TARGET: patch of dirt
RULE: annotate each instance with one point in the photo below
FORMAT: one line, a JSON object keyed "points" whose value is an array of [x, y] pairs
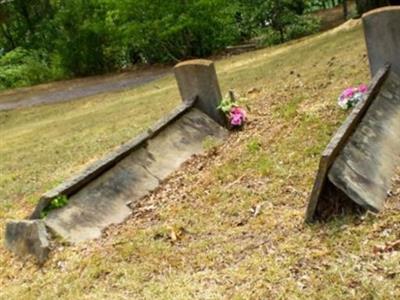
{"points": [[350, 24], [75, 89]]}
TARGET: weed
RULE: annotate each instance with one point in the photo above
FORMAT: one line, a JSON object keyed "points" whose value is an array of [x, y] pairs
{"points": [[254, 145], [289, 110], [56, 203]]}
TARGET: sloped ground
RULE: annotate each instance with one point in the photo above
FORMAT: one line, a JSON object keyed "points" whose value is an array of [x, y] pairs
{"points": [[229, 224]]}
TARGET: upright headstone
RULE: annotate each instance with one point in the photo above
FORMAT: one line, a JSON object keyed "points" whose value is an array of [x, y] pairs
{"points": [[198, 78], [382, 35]]}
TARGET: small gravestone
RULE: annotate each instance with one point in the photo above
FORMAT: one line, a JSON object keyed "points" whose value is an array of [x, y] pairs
{"points": [[198, 78]]}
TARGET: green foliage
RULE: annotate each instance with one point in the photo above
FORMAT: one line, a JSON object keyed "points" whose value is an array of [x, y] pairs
{"points": [[264, 165], [87, 41], [313, 5], [171, 30], [226, 105], [22, 67], [302, 27], [276, 21], [86, 37], [269, 37], [56, 203]]}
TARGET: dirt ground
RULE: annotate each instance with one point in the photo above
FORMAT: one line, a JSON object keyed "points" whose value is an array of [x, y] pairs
{"points": [[74, 89]]}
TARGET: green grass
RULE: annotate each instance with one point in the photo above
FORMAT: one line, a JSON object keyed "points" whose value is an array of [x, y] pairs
{"points": [[198, 237]]}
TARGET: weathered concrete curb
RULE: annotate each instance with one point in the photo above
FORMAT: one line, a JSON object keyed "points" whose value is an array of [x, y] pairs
{"points": [[95, 170], [382, 36], [340, 139]]}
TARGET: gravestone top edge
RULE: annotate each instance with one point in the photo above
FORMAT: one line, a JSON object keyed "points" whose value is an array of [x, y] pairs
{"points": [[199, 62], [381, 10]]}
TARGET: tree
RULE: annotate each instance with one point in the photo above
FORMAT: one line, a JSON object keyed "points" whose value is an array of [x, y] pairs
{"points": [[276, 14], [161, 31], [85, 37]]}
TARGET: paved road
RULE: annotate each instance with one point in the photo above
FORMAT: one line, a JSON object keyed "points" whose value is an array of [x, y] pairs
{"points": [[77, 88]]}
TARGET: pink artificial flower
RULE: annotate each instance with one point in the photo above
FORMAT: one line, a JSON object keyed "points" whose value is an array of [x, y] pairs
{"points": [[348, 93], [238, 111], [237, 116], [363, 88], [236, 120]]}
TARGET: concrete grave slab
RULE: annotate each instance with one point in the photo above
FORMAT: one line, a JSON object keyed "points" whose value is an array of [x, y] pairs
{"points": [[104, 200]]}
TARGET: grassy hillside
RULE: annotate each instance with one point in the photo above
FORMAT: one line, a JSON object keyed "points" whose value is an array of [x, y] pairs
{"points": [[229, 224]]}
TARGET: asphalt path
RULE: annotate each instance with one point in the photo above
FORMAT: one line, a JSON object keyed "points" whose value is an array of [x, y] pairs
{"points": [[75, 89]]}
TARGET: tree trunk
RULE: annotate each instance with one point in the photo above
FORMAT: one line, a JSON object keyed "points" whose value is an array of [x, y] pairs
{"points": [[345, 9], [8, 36], [281, 35]]}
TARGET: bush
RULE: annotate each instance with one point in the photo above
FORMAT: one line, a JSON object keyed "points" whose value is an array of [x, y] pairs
{"points": [[304, 26], [269, 37], [22, 67]]}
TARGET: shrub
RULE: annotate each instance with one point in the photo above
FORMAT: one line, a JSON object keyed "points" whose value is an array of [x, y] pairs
{"points": [[22, 67], [269, 37], [304, 26]]}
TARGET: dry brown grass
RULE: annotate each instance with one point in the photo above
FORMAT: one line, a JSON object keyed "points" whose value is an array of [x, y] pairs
{"points": [[199, 235]]}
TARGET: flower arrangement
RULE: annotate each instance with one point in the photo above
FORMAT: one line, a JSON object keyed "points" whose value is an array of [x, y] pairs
{"points": [[234, 113], [351, 96]]}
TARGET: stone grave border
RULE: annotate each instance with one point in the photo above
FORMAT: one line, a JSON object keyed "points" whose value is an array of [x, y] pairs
{"points": [[199, 88], [75, 183]]}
